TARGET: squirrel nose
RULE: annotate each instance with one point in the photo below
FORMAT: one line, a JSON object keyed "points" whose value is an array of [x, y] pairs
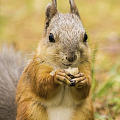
{"points": [[71, 58]]}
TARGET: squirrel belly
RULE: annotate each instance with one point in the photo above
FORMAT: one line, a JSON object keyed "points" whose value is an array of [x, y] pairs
{"points": [[60, 113], [64, 108]]}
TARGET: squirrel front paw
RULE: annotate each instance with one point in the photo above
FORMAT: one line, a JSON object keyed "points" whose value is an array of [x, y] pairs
{"points": [[80, 80], [61, 77]]}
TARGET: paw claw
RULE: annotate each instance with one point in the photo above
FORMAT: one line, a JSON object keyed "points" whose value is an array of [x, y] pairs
{"points": [[80, 80], [61, 77]]}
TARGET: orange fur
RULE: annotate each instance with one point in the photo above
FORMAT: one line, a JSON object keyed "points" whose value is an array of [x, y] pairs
{"points": [[36, 87]]}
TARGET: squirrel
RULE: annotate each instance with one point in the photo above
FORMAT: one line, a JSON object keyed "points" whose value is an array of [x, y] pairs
{"points": [[56, 83]]}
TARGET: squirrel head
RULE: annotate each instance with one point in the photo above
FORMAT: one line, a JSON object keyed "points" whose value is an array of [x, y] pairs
{"points": [[65, 42]]}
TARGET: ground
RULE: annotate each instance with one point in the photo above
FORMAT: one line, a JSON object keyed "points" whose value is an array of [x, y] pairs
{"points": [[22, 24]]}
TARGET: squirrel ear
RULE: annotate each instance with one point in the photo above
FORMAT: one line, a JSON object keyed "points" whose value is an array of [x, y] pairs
{"points": [[73, 8], [51, 10]]}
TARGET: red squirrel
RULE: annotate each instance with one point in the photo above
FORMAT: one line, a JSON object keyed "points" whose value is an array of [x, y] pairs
{"points": [[56, 84]]}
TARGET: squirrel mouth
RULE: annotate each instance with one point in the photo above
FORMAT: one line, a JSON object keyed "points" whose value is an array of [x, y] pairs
{"points": [[67, 64]]}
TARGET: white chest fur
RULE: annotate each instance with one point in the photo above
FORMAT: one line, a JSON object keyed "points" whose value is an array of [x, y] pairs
{"points": [[60, 113], [64, 108]]}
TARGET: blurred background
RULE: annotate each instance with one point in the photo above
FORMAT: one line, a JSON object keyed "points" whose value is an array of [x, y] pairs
{"points": [[22, 25]]}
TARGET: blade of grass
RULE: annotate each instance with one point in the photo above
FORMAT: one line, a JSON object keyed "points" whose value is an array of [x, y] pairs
{"points": [[93, 68]]}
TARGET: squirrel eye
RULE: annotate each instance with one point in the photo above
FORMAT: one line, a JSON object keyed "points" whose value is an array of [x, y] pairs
{"points": [[85, 38], [51, 38]]}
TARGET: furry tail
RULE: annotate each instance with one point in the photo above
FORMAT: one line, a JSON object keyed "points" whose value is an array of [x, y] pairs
{"points": [[11, 67]]}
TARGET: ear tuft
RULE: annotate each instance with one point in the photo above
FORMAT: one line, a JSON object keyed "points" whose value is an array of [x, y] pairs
{"points": [[73, 8], [51, 11]]}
